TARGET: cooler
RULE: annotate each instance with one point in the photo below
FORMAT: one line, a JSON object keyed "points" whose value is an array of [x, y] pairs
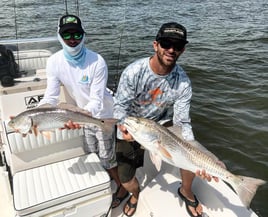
{"points": [[77, 187]]}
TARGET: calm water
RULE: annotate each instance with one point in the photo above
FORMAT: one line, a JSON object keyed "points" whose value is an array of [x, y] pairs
{"points": [[226, 59]]}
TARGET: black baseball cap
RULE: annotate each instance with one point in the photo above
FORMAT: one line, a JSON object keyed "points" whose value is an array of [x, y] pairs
{"points": [[172, 30], [68, 22]]}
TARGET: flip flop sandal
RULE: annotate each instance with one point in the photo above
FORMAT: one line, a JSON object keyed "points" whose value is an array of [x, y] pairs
{"points": [[130, 206], [118, 200], [189, 203]]}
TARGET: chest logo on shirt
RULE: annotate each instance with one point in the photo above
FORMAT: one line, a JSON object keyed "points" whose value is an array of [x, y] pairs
{"points": [[84, 79], [153, 94]]}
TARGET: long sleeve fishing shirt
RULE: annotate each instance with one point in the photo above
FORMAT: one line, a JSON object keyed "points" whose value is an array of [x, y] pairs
{"points": [[143, 93], [86, 85]]}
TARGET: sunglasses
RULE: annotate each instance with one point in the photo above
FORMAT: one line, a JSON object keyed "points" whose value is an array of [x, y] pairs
{"points": [[166, 44], [75, 35]]}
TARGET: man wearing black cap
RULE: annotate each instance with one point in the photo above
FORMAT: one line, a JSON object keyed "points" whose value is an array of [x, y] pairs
{"points": [[156, 88], [84, 74]]}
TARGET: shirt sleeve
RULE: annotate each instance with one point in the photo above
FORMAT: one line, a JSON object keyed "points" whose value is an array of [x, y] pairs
{"points": [[182, 111], [97, 89], [52, 92], [125, 93]]}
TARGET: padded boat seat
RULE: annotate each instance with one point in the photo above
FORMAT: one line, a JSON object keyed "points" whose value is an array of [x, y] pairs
{"points": [[33, 151], [57, 183], [30, 60], [19, 143]]}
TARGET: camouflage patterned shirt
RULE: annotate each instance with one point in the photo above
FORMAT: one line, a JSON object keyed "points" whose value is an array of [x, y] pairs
{"points": [[143, 93]]}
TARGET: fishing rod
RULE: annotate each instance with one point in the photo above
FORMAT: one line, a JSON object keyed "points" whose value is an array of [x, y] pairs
{"points": [[15, 19], [76, 7], [117, 75], [66, 6], [16, 30]]}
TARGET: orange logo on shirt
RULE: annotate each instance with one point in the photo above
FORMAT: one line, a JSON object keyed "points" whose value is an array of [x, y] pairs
{"points": [[154, 94]]}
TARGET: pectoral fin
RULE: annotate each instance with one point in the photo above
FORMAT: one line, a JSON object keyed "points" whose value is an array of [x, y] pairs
{"points": [[156, 160], [165, 152]]}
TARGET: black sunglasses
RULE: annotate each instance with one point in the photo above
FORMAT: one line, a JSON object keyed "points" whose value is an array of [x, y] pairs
{"points": [[167, 44], [75, 35]]}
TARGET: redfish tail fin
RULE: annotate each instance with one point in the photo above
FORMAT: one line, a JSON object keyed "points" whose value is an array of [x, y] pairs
{"points": [[109, 124], [247, 188]]}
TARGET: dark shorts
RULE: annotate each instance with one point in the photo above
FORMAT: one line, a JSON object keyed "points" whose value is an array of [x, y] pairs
{"points": [[129, 157]]}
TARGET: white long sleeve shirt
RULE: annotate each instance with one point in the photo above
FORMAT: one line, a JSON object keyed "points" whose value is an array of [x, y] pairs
{"points": [[85, 85]]}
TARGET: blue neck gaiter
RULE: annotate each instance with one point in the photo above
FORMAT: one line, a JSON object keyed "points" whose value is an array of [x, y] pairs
{"points": [[75, 55]]}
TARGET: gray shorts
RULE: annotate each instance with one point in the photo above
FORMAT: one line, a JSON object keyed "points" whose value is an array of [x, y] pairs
{"points": [[101, 143]]}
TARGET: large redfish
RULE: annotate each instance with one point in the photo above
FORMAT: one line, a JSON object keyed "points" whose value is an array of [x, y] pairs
{"points": [[175, 151], [45, 119]]}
